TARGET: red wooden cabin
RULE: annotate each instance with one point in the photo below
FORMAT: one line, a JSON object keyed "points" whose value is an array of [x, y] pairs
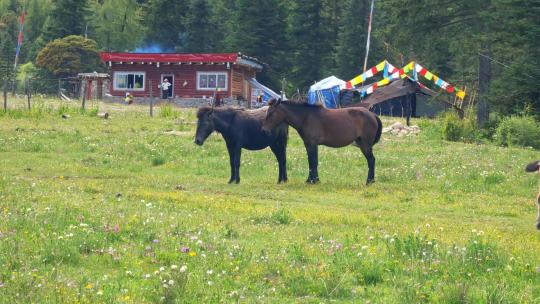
{"points": [[191, 75]]}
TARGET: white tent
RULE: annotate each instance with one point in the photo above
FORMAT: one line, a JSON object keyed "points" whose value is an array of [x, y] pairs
{"points": [[326, 92], [327, 83]]}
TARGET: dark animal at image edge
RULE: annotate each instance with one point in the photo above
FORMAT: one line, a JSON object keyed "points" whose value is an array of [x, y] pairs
{"points": [[535, 167], [335, 128], [242, 129]]}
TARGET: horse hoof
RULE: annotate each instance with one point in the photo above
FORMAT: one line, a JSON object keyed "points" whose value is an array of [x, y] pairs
{"points": [[231, 181], [370, 182], [538, 226], [237, 181], [313, 181]]}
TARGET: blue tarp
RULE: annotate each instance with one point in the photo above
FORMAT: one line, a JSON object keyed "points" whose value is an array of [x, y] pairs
{"points": [[326, 92], [267, 93]]}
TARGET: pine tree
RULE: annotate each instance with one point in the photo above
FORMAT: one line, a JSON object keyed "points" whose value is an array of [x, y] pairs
{"points": [[37, 14], [8, 40], [351, 39], [201, 33], [67, 17], [8, 5], [332, 15], [260, 32], [117, 24], [516, 31], [164, 20], [222, 17], [305, 34]]}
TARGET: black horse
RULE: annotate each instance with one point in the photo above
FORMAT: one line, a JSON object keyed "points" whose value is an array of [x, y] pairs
{"points": [[242, 129]]}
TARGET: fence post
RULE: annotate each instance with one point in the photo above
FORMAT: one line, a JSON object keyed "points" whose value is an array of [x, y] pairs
{"points": [[59, 88], [83, 94], [14, 87], [151, 99], [5, 95], [28, 92]]}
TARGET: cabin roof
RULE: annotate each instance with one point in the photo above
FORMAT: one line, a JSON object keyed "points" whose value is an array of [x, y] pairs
{"points": [[234, 58]]}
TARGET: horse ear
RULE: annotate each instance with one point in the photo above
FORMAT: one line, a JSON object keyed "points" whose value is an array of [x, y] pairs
{"points": [[274, 102]]}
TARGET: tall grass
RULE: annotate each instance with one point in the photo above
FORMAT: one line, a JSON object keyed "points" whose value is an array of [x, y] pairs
{"points": [[118, 211]]}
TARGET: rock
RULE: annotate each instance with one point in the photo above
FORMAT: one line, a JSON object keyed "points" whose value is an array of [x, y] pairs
{"points": [[401, 130], [178, 133], [397, 125], [103, 115]]}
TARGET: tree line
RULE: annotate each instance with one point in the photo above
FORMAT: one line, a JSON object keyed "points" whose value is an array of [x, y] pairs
{"points": [[491, 46]]}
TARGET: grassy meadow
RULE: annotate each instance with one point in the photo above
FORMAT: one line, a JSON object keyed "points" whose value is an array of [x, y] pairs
{"points": [[118, 211]]}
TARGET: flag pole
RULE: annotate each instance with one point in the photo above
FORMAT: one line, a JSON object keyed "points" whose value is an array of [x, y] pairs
{"points": [[368, 34], [19, 44], [20, 37]]}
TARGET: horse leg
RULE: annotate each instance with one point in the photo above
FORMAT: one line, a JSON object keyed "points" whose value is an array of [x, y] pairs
{"points": [[237, 154], [367, 150], [280, 153], [230, 149], [313, 160]]}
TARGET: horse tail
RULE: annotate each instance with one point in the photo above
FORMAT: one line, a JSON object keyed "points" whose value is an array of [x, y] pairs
{"points": [[533, 167], [379, 129]]}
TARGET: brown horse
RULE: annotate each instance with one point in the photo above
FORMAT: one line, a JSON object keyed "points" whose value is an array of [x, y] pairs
{"points": [[333, 128]]}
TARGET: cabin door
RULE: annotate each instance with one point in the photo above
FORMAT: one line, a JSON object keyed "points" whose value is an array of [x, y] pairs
{"points": [[170, 78], [247, 91]]}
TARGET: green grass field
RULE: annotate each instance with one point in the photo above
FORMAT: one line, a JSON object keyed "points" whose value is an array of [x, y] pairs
{"points": [[117, 211]]}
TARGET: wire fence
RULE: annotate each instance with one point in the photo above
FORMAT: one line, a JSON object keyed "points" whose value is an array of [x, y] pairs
{"points": [[68, 88]]}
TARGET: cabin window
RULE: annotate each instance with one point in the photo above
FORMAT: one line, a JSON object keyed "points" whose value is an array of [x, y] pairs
{"points": [[129, 81], [211, 80]]}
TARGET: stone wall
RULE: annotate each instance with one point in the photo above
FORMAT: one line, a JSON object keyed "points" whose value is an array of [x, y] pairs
{"points": [[180, 102]]}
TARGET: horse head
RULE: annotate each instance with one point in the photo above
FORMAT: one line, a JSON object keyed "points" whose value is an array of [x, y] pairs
{"points": [[205, 124], [274, 115]]}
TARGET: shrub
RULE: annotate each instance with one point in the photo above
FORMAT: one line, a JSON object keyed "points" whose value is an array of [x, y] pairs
{"points": [[456, 129], [167, 111], [489, 129], [281, 216], [518, 131], [63, 109], [158, 160], [93, 112]]}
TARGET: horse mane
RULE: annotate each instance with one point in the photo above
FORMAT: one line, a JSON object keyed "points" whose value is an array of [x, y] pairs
{"points": [[296, 103], [207, 109]]}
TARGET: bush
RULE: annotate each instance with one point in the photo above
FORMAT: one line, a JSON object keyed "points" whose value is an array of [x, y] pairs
{"points": [[489, 128], [158, 160], [456, 129], [518, 131], [167, 111]]}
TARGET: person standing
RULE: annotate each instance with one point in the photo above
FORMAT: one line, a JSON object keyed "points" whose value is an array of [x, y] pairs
{"points": [[165, 86], [129, 98], [217, 99]]}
